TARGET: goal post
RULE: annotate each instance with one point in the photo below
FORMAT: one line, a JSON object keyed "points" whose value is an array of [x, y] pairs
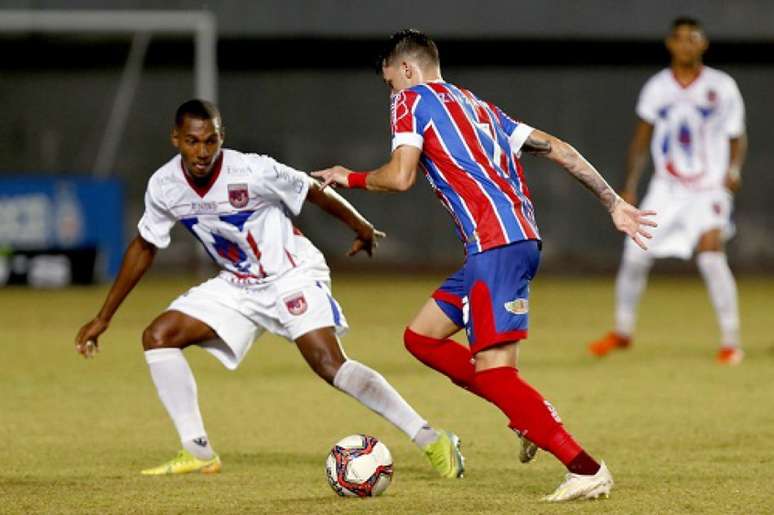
{"points": [[60, 235], [202, 25], [140, 25]]}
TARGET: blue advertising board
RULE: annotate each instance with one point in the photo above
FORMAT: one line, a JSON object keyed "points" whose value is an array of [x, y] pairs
{"points": [[55, 221]]}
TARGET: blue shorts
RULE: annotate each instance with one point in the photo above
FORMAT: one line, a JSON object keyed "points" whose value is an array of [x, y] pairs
{"points": [[489, 295]]}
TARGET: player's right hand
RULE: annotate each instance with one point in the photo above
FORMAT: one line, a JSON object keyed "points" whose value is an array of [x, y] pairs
{"points": [[630, 220], [333, 176], [366, 240], [86, 343]]}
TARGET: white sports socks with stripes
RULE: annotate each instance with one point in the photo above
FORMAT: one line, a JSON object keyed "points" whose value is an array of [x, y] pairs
{"points": [[177, 390]]}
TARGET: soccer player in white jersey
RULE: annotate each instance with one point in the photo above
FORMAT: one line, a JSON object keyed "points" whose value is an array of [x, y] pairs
{"points": [[272, 279], [692, 116]]}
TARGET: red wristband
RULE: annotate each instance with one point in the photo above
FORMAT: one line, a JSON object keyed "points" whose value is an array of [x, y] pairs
{"points": [[357, 180]]}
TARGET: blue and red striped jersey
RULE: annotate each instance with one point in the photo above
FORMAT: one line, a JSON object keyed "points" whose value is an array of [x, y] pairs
{"points": [[470, 151]]}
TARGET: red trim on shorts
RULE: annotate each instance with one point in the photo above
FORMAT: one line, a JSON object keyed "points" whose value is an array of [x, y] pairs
{"points": [[450, 298], [485, 332]]}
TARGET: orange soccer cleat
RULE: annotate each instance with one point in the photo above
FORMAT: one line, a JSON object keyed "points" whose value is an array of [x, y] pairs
{"points": [[608, 343], [729, 356]]}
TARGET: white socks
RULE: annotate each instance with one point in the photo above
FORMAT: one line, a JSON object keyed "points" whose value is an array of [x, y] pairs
{"points": [[177, 390], [629, 285], [721, 286], [373, 390]]}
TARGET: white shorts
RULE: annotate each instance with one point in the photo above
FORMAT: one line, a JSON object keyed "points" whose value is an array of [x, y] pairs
{"points": [[682, 217], [239, 314]]}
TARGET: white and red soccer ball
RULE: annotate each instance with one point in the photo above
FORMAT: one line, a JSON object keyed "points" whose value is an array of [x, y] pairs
{"points": [[359, 466]]}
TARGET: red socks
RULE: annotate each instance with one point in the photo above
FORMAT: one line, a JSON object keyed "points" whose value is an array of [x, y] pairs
{"points": [[528, 412], [532, 416], [446, 356]]}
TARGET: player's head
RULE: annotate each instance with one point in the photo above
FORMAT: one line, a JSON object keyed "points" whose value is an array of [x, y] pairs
{"points": [[198, 135], [686, 41], [409, 58]]}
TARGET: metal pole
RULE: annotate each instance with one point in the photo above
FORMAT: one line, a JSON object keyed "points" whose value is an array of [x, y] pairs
{"points": [[119, 114], [206, 58]]}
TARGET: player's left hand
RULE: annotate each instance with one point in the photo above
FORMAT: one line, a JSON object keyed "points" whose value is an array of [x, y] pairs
{"points": [[733, 181], [630, 220], [333, 176], [86, 342], [367, 240]]}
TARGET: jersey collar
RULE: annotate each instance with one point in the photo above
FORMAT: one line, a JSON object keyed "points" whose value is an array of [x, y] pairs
{"points": [[203, 189], [688, 85]]}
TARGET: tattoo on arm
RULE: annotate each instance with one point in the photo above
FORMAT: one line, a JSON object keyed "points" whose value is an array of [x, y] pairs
{"points": [[534, 145], [586, 174]]}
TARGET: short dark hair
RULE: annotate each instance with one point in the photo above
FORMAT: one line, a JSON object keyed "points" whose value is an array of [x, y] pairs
{"points": [[410, 42], [198, 109], [687, 21]]}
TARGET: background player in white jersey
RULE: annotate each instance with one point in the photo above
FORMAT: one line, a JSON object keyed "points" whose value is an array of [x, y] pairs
{"points": [[692, 116], [238, 206]]}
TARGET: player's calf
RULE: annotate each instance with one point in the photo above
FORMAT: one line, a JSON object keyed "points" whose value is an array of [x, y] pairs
{"points": [[443, 355], [322, 352]]}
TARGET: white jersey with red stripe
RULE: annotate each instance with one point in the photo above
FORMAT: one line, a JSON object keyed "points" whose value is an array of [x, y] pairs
{"points": [[470, 151], [692, 126], [241, 217]]}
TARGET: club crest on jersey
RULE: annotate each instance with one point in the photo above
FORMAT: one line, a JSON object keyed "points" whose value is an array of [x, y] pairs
{"points": [[517, 306], [238, 195], [296, 304], [712, 96]]}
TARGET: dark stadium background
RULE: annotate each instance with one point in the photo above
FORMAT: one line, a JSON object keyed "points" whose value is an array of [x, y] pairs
{"points": [[296, 81], [680, 433]]}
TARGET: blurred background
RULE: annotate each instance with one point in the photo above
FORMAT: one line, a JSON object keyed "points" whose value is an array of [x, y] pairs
{"points": [[87, 98]]}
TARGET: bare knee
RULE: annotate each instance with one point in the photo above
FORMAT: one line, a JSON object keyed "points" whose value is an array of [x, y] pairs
{"points": [[432, 322], [710, 241], [505, 355], [156, 337]]}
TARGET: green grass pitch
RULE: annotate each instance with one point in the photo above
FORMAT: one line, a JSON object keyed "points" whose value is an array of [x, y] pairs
{"points": [[680, 433]]}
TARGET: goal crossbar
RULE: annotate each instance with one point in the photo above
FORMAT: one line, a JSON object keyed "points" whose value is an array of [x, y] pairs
{"points": [[202, 25]]}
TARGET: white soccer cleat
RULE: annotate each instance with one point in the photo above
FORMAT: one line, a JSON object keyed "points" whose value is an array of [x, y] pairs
{"points": [[576, 486]]}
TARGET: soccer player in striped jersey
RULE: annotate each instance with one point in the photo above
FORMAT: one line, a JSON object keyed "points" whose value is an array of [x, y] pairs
{"points": [[469, 151]]}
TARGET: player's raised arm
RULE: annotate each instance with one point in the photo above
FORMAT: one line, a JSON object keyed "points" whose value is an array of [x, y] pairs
{"points": [[626, 217], [331, 202], [137, 260], [398, 174]]}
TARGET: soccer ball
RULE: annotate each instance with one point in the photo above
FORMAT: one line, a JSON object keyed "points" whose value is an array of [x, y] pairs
{"points": [[359, 466]]}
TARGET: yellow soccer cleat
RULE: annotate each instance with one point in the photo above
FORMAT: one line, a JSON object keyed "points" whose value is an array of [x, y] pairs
{"points": [[184, 463], [445, 455]]}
